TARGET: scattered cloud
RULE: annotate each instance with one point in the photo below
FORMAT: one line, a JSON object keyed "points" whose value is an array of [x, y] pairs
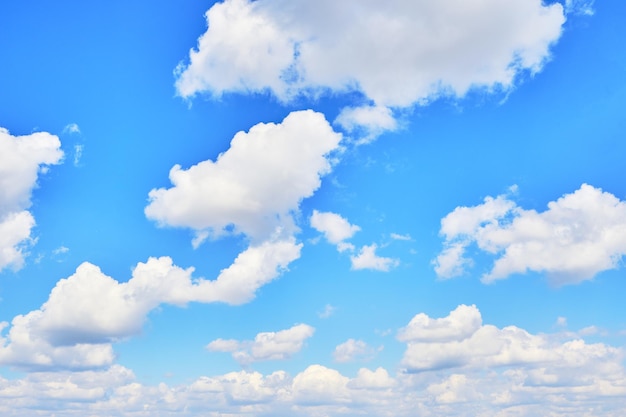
{"points": [[335, 228], [461, 341], [396, 236], [86, 312], [580, 7], [578, 236], [367, 259], [78, 154], [71, 128], [328, 311], [60, 250], [367, 122], [265, 346], [22, 159], [354, 350]]}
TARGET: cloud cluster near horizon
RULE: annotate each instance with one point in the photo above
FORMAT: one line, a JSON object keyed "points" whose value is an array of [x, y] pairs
{"points": [[444, 373]]}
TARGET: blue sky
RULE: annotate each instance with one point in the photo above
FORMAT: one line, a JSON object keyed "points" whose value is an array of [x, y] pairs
{"points": [[304, 208]]}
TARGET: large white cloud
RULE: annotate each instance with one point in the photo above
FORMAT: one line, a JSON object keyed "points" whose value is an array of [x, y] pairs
{"points": [[578, 236], [265, 346], [22, 159], [88, 311], [396, 53], [255, 185]]}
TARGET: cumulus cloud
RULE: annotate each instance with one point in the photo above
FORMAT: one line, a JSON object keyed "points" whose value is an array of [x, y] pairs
{"points": [[22, 159], [367, 259], [367, 122], [352, 350], [394, 53], [578, 236], [335, 228], [253, 187], [266, 346], [318, 390], [495, 372], [89, 310], [460, 324], [461, 341]]}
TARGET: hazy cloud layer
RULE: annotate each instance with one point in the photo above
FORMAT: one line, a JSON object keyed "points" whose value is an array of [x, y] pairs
{"points": [[578, 236]]}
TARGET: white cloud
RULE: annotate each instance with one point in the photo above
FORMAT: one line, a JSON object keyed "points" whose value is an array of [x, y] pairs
{"points": [[336, 229], [22, 158], [71, 128], [367, 259], [318, 385], [578, 236], [367, 122], [460, 324], [255, 185], [328, 311], [589, 383], [266, 346], [78, 154], [583, 7], [397, 236], [396, 53], [368, 379], [87, 311], [460, 341], [352, 350]]}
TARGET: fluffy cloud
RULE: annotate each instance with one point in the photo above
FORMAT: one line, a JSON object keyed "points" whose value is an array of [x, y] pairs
{"points": [[456, 366], [22, 158], [460, 340], [87, 311], [265, 346], [352, 350], [335, 228], [578, 236], [395, 53], [368, 122], [460, 324], [367, 259], [317, 391], [255, 185]]}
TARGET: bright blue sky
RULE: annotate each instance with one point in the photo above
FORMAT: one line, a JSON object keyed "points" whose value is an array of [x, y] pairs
{"points": [[423, 212]]}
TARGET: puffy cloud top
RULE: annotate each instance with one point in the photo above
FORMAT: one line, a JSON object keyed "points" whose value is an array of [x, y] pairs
{"points": [[255, 184], [578, 236], [396, 53]]}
